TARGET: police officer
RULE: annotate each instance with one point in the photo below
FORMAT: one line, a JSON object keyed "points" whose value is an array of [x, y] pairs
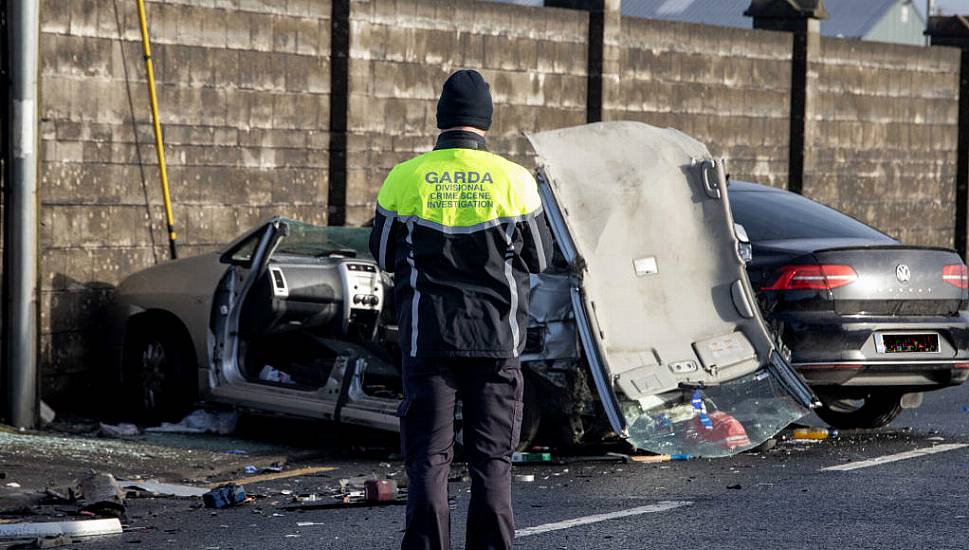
{"points": [[461, 229]]}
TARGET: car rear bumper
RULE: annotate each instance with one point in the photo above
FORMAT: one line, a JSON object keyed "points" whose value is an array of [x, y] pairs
{"points": [[916, 375], [833, 350]]}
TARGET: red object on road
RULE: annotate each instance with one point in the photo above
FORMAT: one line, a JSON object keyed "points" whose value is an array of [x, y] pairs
{"points": [[379, 490], [727, 431]]}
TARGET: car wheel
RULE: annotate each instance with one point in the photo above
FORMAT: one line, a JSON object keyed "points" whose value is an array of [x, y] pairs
{"points": [[875, 410], [158, 383], [531, 414]]}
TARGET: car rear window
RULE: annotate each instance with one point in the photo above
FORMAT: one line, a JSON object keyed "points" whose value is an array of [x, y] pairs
{"points": [[771, 215]]}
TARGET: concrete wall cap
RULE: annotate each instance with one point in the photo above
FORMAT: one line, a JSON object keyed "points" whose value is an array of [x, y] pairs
{"points": [[787, 9]]}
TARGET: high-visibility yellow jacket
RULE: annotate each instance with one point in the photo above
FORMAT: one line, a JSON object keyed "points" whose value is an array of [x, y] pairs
{"points": [[461, 228]]}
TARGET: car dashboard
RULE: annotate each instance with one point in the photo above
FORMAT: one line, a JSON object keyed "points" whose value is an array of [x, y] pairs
{"points": [[338, 296]]}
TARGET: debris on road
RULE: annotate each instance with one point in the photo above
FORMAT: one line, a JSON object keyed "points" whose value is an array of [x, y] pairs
{"points": [[201, 421], [813, 434], [67, 495], [353, 492], [123, 429], [379, 490], [265, 469], [103, 496], [649, 459], [530, 458], [352, 500], [608, 457], [524, 477], [74, 529], [764, 447], [157, 488], [43, 542], [329, 504], [186, 458], [224, 496], [273, 475], [354, 484], [735, 486]]}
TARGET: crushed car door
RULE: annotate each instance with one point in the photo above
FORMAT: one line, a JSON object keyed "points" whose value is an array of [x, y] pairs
{"points": [[286, 335], [248, 258], [682, 359]]}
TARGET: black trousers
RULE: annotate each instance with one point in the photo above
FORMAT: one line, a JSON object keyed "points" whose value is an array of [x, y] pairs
{"points": [[491, 393]]}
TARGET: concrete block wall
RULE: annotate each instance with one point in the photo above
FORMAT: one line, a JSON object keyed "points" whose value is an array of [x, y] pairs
{"points": [[886, 122], [243, 89], [245, 94], [401, 52], [729, 88]]}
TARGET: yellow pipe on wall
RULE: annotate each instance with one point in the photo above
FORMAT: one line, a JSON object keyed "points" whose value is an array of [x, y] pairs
{"points": [[159, 143]]}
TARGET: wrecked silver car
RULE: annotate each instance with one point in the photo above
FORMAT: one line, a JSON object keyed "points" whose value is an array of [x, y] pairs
{"points": [[645, 326]]}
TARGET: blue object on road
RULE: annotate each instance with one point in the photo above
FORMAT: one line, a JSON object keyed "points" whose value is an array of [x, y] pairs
{"points": [[224, 496]]}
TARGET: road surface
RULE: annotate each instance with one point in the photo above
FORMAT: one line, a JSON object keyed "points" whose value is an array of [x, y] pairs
{"points": [[902, 487]]}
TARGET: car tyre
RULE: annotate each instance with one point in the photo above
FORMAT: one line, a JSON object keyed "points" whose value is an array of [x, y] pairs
{"points": [[531, 414], [158, 373], [877, 411]]}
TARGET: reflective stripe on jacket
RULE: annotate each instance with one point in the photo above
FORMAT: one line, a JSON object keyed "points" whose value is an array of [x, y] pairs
{"points": [[461, 229]]}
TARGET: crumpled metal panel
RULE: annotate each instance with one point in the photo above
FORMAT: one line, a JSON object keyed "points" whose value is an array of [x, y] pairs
{"points": [[551, 323], [549, 298]]}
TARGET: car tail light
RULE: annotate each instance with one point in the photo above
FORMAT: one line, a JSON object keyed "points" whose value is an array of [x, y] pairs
{"points": [[813, 277], [955, 275], [961, 366]]}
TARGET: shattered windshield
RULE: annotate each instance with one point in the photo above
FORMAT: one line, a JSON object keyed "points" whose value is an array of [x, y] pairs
{"points": [[305, 239], [712, 421]]}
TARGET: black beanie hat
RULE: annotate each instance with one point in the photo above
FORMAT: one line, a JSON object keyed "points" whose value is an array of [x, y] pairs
{"points": [[465, 101]]}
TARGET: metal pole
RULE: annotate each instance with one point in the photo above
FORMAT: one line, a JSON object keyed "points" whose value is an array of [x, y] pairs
{"points": [[928, 14], [159, 143], [20, 209]]}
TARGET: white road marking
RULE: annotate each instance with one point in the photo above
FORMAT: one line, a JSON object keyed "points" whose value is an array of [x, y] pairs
{"points": [[878, 461], [586, 520]]}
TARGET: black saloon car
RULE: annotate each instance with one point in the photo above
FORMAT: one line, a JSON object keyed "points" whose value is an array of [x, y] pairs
{"points": [[868, 321]]}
